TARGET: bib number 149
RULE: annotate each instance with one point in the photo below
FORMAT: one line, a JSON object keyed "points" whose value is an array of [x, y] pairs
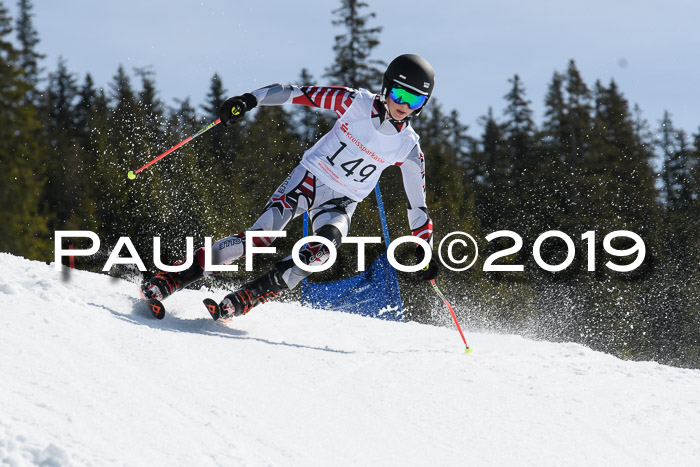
{"points": [[351, 166]]}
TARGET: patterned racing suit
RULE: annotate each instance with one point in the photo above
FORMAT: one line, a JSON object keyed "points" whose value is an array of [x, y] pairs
{"points": [[340, 170]]}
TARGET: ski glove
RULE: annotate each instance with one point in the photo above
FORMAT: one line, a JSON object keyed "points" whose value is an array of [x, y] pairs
{"points": [[235, 107], [429, 272]]}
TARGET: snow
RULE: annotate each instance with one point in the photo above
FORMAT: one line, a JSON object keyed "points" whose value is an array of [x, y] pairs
{"points": [[88, 378]]}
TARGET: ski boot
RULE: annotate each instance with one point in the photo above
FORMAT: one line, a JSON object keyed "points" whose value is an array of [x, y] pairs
{"points": [[164, 284], [161, 285], [267, 287]]}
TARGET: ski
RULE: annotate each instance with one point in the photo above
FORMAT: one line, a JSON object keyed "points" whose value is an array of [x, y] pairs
{"points": [[156, 307], [213, 308]]}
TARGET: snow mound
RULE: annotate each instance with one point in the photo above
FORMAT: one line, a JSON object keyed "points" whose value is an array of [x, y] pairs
{"points": [[87, 377]]}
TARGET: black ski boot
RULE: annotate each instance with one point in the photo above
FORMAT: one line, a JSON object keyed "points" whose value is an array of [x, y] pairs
{"points": [[267, 287], [164, 284]]}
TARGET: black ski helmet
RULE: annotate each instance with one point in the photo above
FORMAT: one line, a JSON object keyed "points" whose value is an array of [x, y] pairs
{"points": [[412, 72]]}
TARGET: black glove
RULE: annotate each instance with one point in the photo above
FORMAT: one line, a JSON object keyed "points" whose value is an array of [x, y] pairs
{"points": [[429, 272], [235, 107]]}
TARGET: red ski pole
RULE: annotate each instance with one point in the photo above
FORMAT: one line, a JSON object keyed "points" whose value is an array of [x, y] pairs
{"points": [[454, 317], [132, 173]]}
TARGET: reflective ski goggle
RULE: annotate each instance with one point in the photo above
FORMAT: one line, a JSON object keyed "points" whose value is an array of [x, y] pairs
{"points": [[402, 96]]}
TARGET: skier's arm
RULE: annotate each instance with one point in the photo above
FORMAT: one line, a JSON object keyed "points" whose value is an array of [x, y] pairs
{"points": [[333, 98], [413, 173]]}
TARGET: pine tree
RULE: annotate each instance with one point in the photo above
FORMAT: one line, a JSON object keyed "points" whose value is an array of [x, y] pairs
{"points": [[28, 38], [492, 175], [115, 201], [63, 188], [183, 197], [151, 108], [621, 193], [519, 139], [223, 143], [216, 96], [464, 145], [694, 224], [579, 123], [675, 322], [352, 66], [695, 169], [562, 149], [677, 175], [85, 147], [680, 191], [84, 108], [92, 132], [92, 115], [667, 142], [565, 146], [579, 108], [23, 229], [677, 170], [519, 124]]}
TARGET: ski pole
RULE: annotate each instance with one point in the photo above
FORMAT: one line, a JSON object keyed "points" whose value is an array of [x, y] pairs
{"points": [[454, 317], [132, 173]]}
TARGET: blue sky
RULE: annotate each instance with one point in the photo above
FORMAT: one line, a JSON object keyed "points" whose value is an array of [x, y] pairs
{"points": [[650, 48]]}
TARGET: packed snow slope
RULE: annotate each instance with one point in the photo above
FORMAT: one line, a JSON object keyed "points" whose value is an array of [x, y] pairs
{"points": [[88, 378]]}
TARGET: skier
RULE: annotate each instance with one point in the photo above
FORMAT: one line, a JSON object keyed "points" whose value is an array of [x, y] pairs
{"points": [[372, 132]]}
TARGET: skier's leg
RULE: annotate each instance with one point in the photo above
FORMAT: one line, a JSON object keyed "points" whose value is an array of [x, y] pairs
{"points": [[331, 220], [291, 198], [164, 284]]}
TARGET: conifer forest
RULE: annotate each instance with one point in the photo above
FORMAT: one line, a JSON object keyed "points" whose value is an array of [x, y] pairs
{"points": [[593, 164]]}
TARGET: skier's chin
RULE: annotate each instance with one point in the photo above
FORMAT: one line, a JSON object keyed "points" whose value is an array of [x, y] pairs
{"points": [[400, 116]]}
